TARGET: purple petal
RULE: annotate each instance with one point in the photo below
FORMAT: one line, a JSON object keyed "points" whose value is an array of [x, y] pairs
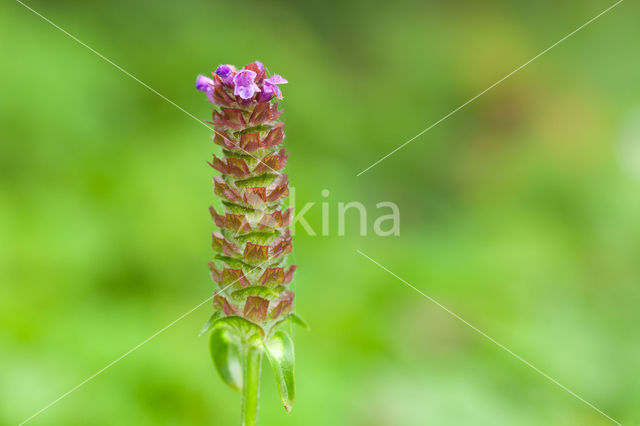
{"points": [[276, 79], [277, 92], [224, 70], [272, 88], [240, 91], [267, 87], [246, 92], [204, 84], [244, 78], [265, 96]]}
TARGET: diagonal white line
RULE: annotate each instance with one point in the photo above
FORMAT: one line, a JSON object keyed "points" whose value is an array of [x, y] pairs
{"points": [[500, 345], [115, 65], [135, 78], [491, 87], [88, 379], [136, 347]]}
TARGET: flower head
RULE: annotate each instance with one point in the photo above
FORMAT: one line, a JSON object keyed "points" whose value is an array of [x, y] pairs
{"points": [[270, 87], [245, 85]]}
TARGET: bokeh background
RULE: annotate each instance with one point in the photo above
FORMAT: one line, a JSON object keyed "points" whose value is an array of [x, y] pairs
{"points": [[520, 213]]}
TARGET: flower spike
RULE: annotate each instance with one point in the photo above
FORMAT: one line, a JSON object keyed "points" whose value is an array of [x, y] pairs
{"points": [[253, 303]]}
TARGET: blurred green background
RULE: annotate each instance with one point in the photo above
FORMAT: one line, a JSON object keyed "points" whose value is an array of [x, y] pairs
{"points": [[520, 213]]}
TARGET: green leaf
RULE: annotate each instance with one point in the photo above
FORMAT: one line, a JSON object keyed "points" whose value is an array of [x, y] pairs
{"points": [[295, 318], [260, 291], [300, 321], [237, 208], [254, 129], [207, 326], [264, 179], [233, 154], [226, 356], [244, 329], [280, 352], [257, 237], [232, 262]]}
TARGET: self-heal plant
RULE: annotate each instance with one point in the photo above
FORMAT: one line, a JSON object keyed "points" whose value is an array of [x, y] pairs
{"points": [[252, 304]]}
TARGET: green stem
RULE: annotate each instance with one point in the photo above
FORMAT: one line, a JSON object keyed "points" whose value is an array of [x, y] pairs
{"points": [[251, 384]]}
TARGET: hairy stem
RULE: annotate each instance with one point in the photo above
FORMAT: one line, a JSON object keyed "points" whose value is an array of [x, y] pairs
{"points": [[252, 360]]}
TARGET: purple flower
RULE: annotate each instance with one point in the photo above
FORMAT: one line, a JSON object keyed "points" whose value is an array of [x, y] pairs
{"points": [[270, 86], [205, 85], [260, 65], [225, 72], [245, 84]]}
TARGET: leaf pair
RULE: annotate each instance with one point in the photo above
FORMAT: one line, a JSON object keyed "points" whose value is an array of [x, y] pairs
{"points": [[231, 337]]}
